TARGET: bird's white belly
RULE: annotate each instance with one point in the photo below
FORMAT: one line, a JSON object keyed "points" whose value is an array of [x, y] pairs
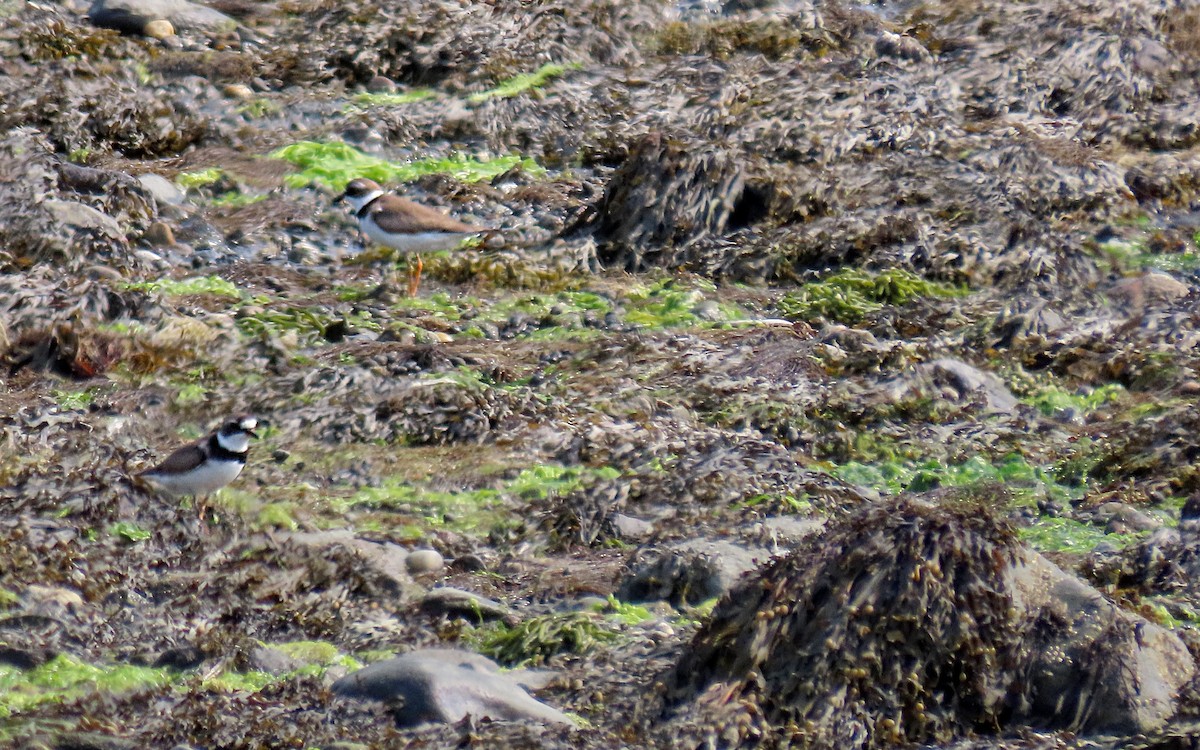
{"points": [[208, 477], [415, 242]]}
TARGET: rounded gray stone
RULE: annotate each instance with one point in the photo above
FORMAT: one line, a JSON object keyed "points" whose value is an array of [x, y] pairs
{"points": [[444, 686], [424, 561]]}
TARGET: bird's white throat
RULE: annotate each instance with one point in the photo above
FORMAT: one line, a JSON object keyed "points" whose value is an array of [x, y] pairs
{"points": [[358, 201], [238, 442]]}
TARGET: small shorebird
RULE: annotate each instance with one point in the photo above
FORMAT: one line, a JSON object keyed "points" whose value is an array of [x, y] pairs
{"points": [[207, 465], [404, 225]]}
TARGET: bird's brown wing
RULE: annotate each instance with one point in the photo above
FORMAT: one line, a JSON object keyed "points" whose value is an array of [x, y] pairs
{"points": [[187, 457], [400, 215]]}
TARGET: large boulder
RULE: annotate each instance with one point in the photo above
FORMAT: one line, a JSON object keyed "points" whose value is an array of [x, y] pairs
{"points": [[444, 686], [916, 622], [132, 16]]}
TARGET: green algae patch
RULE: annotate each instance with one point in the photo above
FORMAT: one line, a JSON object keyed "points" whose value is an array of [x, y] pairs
{"points": [[1051, 534], [193, 285], [199, 178], [671, 304], [73, 400], [129, 532], [850, 295], [333, 164], [191, 394], [64, 678], [259, 107], [391, 98], [307, 324], [540, 482], [278, 516], [1014, 471], [558, 315], [1054, 400], [1135, 255], [320, 653], [225, 192], [533, 641], [238, 682], [237, 199], [471, 509], [624, 612], [542, 304], [519, 84], [785, 504], [370, 656]]}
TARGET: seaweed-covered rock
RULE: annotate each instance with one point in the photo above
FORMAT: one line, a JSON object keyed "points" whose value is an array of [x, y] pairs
{"points": [[1164, 564], [688, 572], [914, 622], [52, 211], [434, 42], [666, 196], [587, 515]]}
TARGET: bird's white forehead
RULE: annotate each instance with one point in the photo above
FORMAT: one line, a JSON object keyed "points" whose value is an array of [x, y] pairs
{"points": [[248, 423]]}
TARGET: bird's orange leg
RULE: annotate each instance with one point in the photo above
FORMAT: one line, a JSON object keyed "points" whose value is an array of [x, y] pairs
{"points": [[415, 264]]}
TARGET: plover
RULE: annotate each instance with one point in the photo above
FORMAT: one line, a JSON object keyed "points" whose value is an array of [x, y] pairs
{"points": [[207, 465], [404, 225]]}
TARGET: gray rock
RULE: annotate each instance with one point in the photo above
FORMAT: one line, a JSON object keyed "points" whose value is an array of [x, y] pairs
{"points": [[163, 191], [848, 339], [902, 47], [131, 16], [445, 686], [1150, 288], [451, 601], [53, 601], [83, 216], [1122, 518], [707, 310], [631, 528], [1143, 666], [964, 381], [385, 558], [272, 661], [687, 572]]}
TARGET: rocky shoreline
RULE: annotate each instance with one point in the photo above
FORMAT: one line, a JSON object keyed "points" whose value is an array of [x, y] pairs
{"points": [[828, 380]]}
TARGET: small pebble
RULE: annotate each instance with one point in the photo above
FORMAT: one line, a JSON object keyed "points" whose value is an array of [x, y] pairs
{"points": [[160, 234], [159, 28], [381, 85], [1189, 388], [424, 561], [238, 91]]}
